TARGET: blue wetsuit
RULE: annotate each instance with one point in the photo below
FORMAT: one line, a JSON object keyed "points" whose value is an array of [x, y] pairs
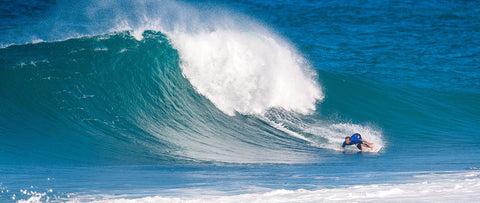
{"points": [[354, 139]]}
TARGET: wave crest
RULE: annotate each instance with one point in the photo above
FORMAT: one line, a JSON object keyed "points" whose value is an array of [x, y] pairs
{"points": [[247, 72]]}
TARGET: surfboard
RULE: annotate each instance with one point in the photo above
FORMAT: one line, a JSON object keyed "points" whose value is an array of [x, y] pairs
{"points": [[354, 150], [374, 150]]}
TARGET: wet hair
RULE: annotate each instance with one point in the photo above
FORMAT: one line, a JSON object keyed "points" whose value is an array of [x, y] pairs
{"points": [[347, 137]]}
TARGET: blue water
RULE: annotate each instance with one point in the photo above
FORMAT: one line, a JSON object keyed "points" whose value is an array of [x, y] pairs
{"points": [[124, 100]]}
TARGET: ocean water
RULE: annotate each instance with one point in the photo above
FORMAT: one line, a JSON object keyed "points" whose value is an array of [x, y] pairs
{"points": [[239, 101]]}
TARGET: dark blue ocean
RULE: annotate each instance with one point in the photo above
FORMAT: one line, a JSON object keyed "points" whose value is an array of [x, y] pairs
{"points": [[239, 101]]}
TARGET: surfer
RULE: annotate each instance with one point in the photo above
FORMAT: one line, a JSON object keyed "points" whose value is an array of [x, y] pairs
{"points": [[356, 139]]}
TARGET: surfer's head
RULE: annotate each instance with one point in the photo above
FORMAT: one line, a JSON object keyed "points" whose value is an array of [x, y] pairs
{"points": [[347, 140]]}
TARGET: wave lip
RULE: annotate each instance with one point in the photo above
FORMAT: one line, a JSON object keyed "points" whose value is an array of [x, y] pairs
{"points": [[247, 72]]}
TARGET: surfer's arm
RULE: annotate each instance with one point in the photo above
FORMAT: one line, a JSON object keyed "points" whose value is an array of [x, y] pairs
{"points": [[343, 145], [369, 143]]}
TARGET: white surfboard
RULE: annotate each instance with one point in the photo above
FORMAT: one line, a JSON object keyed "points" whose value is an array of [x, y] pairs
{"points": [[374, 150], [350, 150]]}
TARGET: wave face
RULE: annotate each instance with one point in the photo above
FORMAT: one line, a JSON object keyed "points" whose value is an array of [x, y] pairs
{"points": [[158, 82], [116, 98]]}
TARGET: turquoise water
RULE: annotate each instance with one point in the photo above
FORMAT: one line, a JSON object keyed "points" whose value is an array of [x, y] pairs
{"points": [[238, 101]]}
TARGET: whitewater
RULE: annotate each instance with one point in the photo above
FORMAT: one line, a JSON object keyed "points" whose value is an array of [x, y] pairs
{"points": [[179, 101]]}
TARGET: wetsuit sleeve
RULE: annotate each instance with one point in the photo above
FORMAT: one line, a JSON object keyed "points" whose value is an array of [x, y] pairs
{"points": [[344, 143]]}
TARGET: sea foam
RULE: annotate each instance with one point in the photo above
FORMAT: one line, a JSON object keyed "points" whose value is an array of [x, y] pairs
{"points": [[436, 187]]}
